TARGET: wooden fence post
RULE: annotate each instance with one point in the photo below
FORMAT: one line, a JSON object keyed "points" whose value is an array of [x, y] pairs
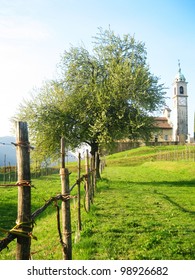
{"points": [[66, 215], [79, 192], [87, 182], [24, 191], [5, 169], [92, 179], [95, 172], [10, 172]]}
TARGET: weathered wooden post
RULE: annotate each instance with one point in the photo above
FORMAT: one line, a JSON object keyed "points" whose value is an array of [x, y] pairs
{"points": [[87, 183], [10, 172], [79, 192], [24, 191], [93, 177], [5, 169], [66, 214]]}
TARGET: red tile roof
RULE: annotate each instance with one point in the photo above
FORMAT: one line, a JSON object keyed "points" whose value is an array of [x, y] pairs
{"points": [[162, 122]]}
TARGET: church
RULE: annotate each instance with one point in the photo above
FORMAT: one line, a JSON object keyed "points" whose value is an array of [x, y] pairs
{"points": [[173, 125]]}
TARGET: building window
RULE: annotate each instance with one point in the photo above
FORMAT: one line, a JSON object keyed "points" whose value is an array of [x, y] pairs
{"points": [[166, 137], [181, 90]]}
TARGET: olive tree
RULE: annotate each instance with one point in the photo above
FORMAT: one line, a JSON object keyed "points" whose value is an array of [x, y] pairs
{"points": [[99, 97]]}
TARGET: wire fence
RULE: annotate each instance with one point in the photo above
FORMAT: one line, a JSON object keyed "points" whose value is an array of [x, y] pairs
{"points": [[23, 230], [177, 154]]}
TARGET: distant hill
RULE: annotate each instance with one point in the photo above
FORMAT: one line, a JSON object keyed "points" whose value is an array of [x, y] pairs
{"points": [[7, 151]]}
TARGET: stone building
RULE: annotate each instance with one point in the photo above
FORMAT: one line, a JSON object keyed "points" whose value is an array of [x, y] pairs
{"points": [[173, 125]]}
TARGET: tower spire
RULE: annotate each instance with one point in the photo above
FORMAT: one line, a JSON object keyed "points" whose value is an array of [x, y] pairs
{"points": [[179, 65], [179, 76]]}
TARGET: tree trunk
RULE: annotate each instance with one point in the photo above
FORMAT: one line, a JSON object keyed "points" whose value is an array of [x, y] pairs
{"points": [[96, 157]]}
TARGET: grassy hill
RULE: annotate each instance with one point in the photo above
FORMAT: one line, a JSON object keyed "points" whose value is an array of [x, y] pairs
{"points": [[144, 208], [158, 153]]}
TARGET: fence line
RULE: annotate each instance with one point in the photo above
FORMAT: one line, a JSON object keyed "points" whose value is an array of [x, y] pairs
{"points": [[176, 155], [11, 236], [23, 231]]}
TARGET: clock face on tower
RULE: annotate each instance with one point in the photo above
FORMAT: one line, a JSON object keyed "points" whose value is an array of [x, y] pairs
{"points": [[182, 101]]}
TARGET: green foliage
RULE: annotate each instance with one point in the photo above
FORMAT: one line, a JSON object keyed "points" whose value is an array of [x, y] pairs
{"points": [[99, 97]]}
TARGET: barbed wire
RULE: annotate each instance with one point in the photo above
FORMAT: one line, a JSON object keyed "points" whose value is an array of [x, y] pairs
{"points": [[22, 144], [6, 144]]}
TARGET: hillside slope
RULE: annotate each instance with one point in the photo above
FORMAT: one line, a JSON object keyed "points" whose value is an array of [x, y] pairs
{"points": [[143, 209], [147, 153]]}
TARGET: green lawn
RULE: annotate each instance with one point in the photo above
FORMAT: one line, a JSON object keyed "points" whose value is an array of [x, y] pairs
{"points": [[141, 214], [144, 208]]}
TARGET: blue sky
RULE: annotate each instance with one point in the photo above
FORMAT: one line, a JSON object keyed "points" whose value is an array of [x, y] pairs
{"points": [[35, 33]]}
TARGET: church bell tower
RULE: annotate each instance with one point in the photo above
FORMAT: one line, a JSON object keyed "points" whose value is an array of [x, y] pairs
{"points": [[180, 107]]}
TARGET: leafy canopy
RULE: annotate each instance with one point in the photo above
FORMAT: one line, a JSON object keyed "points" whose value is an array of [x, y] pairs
{"points": [[99, 97]]}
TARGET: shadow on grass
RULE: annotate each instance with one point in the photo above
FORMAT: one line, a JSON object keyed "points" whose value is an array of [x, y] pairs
{"points": [[103, 184], [181, 208], [107, 184], [185, 184], [190, 184], [8, 215]]}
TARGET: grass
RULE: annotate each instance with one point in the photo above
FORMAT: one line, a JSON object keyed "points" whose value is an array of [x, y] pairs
{"points": [[135, 218], [143, 209]]}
